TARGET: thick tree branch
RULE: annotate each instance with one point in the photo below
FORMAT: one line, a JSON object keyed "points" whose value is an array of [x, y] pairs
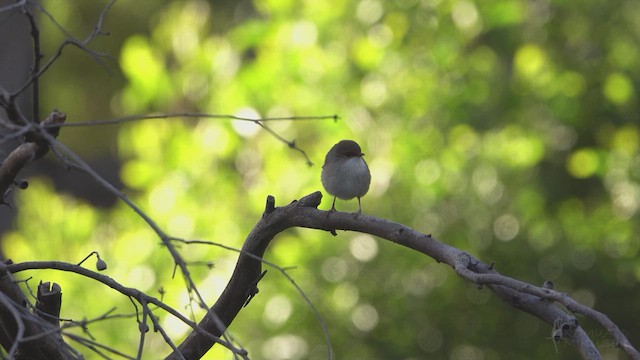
{"points": [[497, 281], [537, 301], [240, 288]]}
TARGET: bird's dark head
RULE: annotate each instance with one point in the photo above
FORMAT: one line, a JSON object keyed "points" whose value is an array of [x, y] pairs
{"points": [[348, 148]]}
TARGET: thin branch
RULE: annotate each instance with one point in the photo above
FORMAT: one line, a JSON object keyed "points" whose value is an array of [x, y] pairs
{"points": [[18, 133], [37, 56], [291, 144], [165, 336], [71, 40], [80, 164], [260, 122], [140, 297], [20, 328], [178, 115], [15, 116], [17, 4], [143, 327], [96, 346]]}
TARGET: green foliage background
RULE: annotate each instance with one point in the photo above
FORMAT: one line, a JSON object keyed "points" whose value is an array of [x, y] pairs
{"points": [[508, 129]]}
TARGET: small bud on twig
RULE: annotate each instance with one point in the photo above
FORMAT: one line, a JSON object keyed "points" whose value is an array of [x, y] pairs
{"points": [[101, 264]]}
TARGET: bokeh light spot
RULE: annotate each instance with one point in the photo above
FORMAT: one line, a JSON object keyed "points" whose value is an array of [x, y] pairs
{"points": [[465, 15], [374, 91], [369, 11], [485, 182], [427, 171], [345, 296], [181, 224], [573, 84], [618, 88], [246, 128], [334, 269], [530, 60], [142, 277], [466, 352], [304, 33], [626, 199], [626, 140], [277, 310], [363, 247], [364, 317], [285, 347], [583, 163], [506, 227]]}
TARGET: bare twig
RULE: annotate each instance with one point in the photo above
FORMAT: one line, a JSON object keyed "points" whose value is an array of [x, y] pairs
{"points": [[10, 305], [140, 297], [37, 56], [73, 160], [291, 144], [15, 116], [16, 5], [71, 40], [142, 325], [96, 346], [179, 115], [260, 122]]}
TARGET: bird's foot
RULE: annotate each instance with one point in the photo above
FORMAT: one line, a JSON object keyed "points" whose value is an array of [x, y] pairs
{"points": [[331, 211]]}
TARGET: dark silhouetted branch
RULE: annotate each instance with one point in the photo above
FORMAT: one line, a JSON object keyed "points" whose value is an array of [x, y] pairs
{"points": [[540, 302]]}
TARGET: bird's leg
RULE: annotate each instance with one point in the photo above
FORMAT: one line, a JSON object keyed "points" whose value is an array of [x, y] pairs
{"points": [[333, 206], [359, 207]]}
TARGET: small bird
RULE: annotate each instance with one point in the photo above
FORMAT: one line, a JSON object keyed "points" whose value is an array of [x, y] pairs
{"points": [[345, 174]]}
